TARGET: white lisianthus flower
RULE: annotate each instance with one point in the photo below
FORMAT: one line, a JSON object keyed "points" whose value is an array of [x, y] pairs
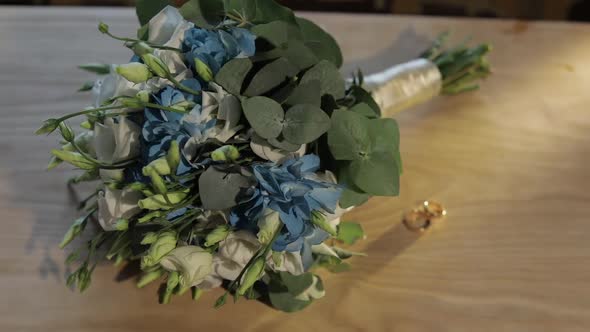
{"points": [[237, 250], [116, 141], [193, 263], [116, 204], [162, 26], [113, 85], [225, 109]]}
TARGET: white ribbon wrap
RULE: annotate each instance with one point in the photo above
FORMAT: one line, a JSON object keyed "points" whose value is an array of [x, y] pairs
{"points": [[404, 85]]}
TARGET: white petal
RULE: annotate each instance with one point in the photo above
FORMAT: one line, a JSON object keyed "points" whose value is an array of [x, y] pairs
{"points": [[116, 204], [104, 142], [126, 139], [163, 25], [194, 263]]}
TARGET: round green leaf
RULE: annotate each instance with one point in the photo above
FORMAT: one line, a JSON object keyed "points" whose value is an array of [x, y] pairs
{"points": [[377, 174], [304, 123], [269, 10], [264, 115], [232, 74], [203, 13], [331, 82], [146, 9], [320, 42], [270, 76], [277, 32], [308, 93], [219, 190], [348, 137]]}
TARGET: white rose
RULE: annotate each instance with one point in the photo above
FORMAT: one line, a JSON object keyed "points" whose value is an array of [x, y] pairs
{"points": [[116, 204], [115, 142], [193, 263]]}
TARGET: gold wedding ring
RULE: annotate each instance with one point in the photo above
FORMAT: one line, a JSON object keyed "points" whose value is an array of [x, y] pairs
{"points": [[421, 218]]}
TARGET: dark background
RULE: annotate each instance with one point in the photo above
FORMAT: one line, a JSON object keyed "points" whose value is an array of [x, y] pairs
{"points": [[575, 10]]}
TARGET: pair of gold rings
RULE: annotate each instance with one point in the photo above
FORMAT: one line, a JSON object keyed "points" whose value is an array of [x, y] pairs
{"points": [[421, 218]]}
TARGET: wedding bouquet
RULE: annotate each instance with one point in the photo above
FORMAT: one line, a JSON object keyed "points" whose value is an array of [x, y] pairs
{"points": [[228, 148]]}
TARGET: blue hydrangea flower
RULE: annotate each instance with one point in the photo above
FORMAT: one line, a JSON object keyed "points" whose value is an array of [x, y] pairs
{"points": [[162, 127], [215, 48], [294, 191]]}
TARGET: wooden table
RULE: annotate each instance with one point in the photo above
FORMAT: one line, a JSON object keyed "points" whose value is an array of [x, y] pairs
{"points": [[511, 163]]}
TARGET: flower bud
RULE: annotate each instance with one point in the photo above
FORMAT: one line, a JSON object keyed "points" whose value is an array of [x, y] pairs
{"points": [[252, 275], [149, 238], [74, 230], [149, 277], [158, 202], [217, 235], [225, 153], [137, 186], [268, 225], [157, 181], [156, 65], [141, 48], [49, 126], [66, 132], [173, 156], [160, 165], [53, 163], [87, 125], [122, 224], [203, 70], [164, 244], [131, 102], [134, 72], [143, 96], [318, 219], [75, 159], [150, 216], [172, 282], [103, 27]]}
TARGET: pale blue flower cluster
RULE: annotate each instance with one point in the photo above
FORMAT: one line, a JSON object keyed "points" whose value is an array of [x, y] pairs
{"points": [[215, 48], [294, 191]]}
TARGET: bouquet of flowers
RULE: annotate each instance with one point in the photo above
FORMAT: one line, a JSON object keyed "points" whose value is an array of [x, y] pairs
{"points": [[228, 148]]}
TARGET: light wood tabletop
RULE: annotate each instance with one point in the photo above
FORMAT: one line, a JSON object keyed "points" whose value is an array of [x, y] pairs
{"points": [[510, 162]]}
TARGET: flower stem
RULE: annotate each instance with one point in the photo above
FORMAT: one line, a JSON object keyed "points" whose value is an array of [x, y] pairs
{"points": [[182, 87]]}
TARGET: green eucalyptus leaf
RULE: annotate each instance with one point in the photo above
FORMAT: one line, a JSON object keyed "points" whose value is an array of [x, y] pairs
{"points": [[376, 174], [231, 75], [304, 123], [284, 145], [246, 9], [308, 93], [270, 76], [264, 115], [350, 232], [348, 137], [286, 302], [146, 9], [363, 96], [323, 45], [297, 284], [331, 82], [277, 32], [332, 264], [219, 190], [203, 13], [268, 11], [299, 54], [350, 198], [364, 110]]}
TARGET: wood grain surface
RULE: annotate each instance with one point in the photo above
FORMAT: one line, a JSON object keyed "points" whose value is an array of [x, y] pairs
{"points": [[510, 162]]}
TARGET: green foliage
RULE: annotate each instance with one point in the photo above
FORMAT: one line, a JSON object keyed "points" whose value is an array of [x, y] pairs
{"points": [[349, 232], [305, 123], [284, 288], [323, 45], [87, 86], [331, 263], [146, 9], [277, 33], [370, 148], [203, 13], [270, 76], [308, 93], [264, 115], [268, 11], [331, 82], [219, 189], [231, 76]]}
